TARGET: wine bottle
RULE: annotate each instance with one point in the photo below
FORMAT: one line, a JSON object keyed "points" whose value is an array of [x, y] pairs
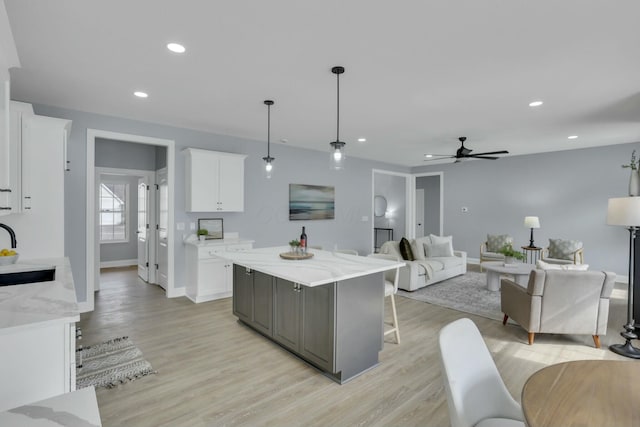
{"points": [[303, 241]]}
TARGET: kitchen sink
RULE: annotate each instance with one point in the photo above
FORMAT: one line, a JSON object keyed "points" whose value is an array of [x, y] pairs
{"points": [[30, 275]]}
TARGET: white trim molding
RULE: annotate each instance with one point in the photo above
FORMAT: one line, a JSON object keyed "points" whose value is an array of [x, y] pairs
{"points": [[119, 263], [91, 230]]}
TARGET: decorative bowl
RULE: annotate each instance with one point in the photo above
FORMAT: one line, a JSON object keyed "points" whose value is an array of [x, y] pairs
{"points": [[8, 260]]}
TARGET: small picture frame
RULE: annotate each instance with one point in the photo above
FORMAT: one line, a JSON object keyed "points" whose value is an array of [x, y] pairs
{"points": [[213, 226]]}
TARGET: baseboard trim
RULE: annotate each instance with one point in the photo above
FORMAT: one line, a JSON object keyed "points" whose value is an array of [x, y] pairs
{"points": [[177, 292], [119, 263]]}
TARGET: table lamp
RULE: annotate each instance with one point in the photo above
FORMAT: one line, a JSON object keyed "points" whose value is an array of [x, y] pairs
{"points": [[531, 222], [625, 211]]}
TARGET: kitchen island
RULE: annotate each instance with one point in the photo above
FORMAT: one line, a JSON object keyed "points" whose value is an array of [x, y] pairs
{"points": [[327, 310]]}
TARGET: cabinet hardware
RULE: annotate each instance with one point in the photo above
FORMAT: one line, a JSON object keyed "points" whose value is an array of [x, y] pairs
{"points": [[5, 208], [5, 190]]}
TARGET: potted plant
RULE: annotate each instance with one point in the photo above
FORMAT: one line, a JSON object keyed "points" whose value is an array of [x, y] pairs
{"points": [[202, 234], [294, 244], [510, 254]]}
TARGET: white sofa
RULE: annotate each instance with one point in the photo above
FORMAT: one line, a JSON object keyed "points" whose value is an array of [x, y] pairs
{"points": [[425, 270]]}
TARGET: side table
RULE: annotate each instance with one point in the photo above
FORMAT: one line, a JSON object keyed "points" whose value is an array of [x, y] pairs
{"points": [[532, 253]]}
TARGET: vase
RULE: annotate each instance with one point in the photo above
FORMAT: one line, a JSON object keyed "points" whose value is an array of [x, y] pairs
{"points": [[509, 260], [634, 183]]}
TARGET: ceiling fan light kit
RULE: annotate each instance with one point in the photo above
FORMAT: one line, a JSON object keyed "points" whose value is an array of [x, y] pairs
{"points": [[464, 153]]}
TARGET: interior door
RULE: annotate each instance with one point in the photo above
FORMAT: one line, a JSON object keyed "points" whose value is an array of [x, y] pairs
{"points": [[162, 248], [419, 212], [143, 229]]}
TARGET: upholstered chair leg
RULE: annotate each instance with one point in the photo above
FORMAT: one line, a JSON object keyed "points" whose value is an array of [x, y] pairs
{"points": [[504, 320], [596, 341], [531, 337]]}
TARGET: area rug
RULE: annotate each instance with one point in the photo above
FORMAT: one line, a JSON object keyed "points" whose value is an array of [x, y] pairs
{"points": [[467, 293], [110, 363]]}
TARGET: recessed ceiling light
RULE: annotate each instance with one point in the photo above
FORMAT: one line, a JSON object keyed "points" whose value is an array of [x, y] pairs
{"points": [[362, 139], [176, 47], [572, 137], [535, 104], [428, 156], [141, 94]]}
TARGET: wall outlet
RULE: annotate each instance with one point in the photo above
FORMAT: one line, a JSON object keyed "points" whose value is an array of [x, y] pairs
{"points": [[365, 218], [465, 209]]}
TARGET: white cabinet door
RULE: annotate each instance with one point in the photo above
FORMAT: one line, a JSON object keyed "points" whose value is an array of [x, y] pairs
{"points": [[212, 276], [231, 179], [5, 151]]}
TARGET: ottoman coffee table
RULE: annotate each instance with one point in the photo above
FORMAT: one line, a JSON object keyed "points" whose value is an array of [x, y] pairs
{"points": [[520, 272]]}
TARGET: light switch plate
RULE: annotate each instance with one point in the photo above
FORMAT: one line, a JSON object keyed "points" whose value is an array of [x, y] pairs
{"points": [[179, 225], [192, 226]]}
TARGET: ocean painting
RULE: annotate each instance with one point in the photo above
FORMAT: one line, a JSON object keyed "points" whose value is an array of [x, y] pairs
{"points": [[311, 202]]}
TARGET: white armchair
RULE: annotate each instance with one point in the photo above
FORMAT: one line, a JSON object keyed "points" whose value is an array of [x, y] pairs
{"points": [[562, 251]]}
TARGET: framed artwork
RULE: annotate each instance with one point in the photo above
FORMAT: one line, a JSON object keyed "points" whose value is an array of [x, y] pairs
{"points": [[308, 202], [213, 226]]}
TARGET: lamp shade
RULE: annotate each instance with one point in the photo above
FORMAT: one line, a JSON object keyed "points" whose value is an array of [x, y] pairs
{"points": [[624, 211], [531, 222]]}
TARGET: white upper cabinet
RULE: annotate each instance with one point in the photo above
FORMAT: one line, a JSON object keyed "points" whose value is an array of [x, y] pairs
{"points": [[214, 181]]}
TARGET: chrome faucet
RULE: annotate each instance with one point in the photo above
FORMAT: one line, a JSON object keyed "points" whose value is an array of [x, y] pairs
{"points": [[12, 234]]}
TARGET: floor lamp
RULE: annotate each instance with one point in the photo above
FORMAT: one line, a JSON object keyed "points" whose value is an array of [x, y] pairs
{"points": [[625, 211]]}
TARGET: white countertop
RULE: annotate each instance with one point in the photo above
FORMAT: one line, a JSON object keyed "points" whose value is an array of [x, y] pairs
{"points": [[325, 266], [216, 242], [78, 408], [34, 303]]}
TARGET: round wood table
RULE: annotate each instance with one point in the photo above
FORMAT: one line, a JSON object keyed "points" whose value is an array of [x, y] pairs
{"points": [[584, 393]]}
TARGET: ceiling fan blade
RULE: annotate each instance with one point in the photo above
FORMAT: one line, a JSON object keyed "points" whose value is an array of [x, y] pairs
{"points": [[442, 156], [483, 157], [491, 152]]}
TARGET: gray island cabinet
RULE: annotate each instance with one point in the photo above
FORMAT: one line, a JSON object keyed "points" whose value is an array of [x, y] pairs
{"points": [[331, 316]]}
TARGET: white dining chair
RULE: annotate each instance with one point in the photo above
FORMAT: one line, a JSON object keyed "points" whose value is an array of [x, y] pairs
{"points": [[390, 289], [476, 394]]}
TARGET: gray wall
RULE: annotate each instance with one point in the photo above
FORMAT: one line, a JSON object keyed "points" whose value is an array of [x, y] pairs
{"points": [[127, 250], [266, 216], [567, 190], [125, 155], [392, 188], [431, 187]]}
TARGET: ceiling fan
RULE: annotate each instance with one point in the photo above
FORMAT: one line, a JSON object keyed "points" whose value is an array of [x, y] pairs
{"points": [[465, 153]]}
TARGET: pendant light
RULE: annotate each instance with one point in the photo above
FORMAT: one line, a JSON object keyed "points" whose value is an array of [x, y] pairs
{"points": [[268, 167], [337, 158]]}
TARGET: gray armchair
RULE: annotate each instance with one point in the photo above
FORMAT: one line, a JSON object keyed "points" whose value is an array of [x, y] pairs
{"points": [[560, 302]]}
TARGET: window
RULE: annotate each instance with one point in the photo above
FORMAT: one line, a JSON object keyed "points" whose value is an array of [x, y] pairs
{"points": [[113, 212]]}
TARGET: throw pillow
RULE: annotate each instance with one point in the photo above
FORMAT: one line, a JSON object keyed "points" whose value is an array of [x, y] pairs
{"points": [[563, 249], [417, 246], [443, 239], [495, 242], [436, 250], [405, 250], [417, 249]]}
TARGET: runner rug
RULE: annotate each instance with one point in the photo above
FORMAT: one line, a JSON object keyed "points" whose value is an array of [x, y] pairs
{"points": [[110, 363]]}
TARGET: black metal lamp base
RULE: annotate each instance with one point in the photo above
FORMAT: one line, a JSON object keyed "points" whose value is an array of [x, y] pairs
{"points": [[626, 350]]}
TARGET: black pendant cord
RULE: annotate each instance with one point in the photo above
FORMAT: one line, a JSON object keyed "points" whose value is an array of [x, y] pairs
{"points": [[268, 130], [338, 107]]}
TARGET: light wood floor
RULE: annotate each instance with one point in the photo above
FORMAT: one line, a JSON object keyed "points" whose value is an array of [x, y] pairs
{"points": [[212, 371]]}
